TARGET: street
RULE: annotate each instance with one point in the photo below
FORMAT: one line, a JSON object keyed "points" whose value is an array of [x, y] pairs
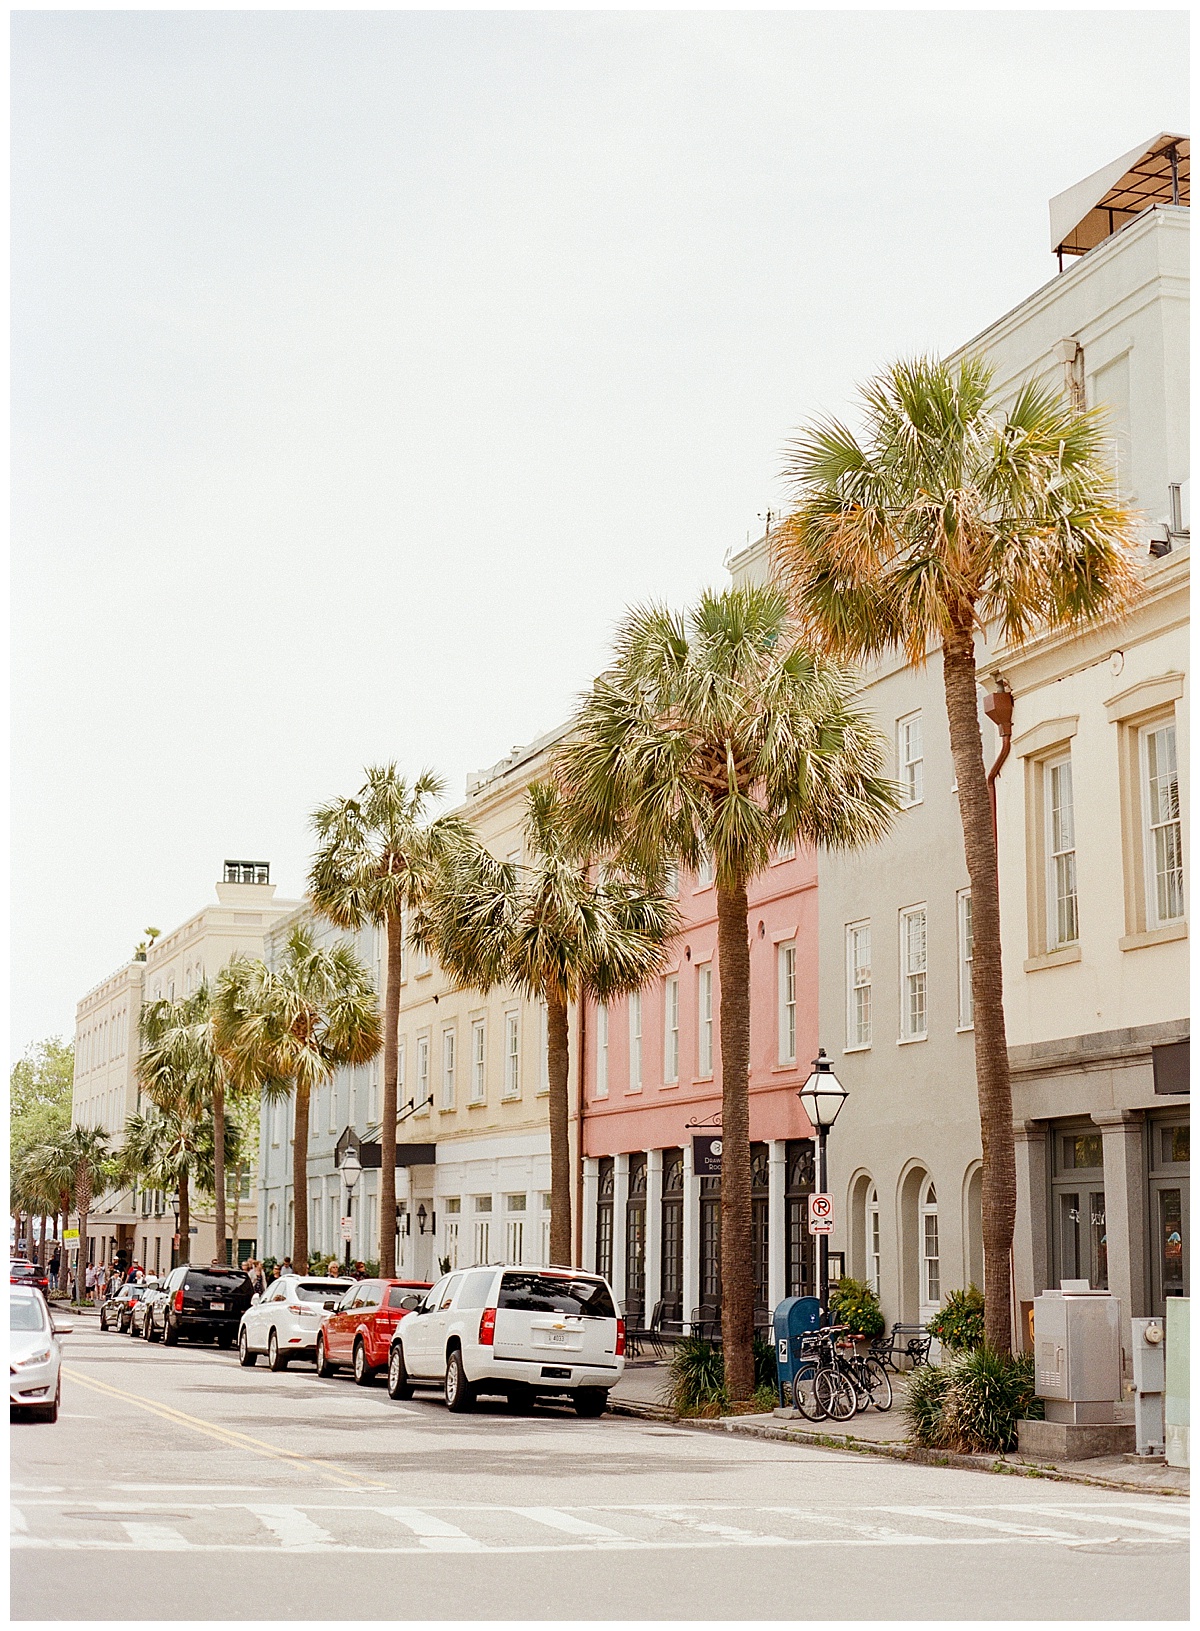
{"points": [[228, 1470]]}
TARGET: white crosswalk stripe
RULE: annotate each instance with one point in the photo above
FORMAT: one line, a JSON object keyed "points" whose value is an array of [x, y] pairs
{"points": [[1026, 1530], [436, 1535], [297, 1532], [155, 1537], [1176, 1531], [566, 1522]]}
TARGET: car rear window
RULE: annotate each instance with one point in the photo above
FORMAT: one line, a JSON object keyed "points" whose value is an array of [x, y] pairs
{"points": [[320, 1291], [556, 1294], [217, 1285]]}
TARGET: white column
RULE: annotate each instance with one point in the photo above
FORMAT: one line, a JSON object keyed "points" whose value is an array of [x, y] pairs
{"points": [[653, 1230], [620, 1217], [691, 1235], [591, 1187], [777, 1222]]}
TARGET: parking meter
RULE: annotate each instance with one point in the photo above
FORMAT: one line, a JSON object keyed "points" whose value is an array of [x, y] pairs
{"points": [[793, 1319]]}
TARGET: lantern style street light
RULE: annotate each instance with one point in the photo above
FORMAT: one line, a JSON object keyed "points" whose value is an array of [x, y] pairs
{"points": [[822, 1097], [351, 1172]]}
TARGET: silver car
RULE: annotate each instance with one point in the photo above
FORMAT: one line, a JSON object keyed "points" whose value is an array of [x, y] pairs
{"points": [[34, 1356]]}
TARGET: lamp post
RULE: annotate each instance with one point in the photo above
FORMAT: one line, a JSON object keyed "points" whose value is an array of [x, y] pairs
{"points": [[822, 1097], [351, 1172]]}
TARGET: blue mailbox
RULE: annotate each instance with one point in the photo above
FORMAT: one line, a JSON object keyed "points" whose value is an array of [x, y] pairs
{"points": [[793, 1318]]}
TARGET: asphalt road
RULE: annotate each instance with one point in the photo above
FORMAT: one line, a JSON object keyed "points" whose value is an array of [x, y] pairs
{"points": [[239, 1494]]}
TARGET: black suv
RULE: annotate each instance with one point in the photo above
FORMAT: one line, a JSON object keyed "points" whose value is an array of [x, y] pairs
{"points": [[200, 1303]]}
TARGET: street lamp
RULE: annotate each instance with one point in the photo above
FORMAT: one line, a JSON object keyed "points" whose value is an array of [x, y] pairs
{"points": [[351, 1172], [822, 1097]]}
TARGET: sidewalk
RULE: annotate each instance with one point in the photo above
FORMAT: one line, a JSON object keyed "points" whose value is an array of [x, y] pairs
{"points": [[641, 1390]]}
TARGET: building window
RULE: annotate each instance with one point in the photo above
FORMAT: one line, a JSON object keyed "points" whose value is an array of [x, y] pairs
{"points": [[671, 881], [512, 1056], [912, 974], [785, 850], [966, 954], [635, 1042], [635, 1239], [911, 756], [478, 1062], [704, 1025], [601, 1090], [1163, 842], [705, 872], [450, 1239], [422, 1073], [858, 985], [931, 1274], [448, 1047], [671, 1236], [545, 1228], [1062, 923], [787, 1003], [799, 1175], [1078, 1222], [606, 1181], [872, 1237], [671, 1029]]}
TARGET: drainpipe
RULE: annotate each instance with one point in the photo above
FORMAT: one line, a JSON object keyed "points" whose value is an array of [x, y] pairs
{"points": [[578, 1208], [998, 706]]}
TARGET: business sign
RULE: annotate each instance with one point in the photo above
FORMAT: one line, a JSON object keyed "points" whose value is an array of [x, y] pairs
{"points": [[706, 1155], [70, 1237], [820, 1214]]}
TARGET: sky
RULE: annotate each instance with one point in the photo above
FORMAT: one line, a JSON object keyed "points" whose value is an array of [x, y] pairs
{"points": [[367, 365]]}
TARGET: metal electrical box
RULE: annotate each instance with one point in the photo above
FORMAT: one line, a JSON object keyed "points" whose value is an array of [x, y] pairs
{"points": [[1077, 1354]]}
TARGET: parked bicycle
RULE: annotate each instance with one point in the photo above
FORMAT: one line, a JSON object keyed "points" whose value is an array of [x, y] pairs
{"points": [[833, 1381]]}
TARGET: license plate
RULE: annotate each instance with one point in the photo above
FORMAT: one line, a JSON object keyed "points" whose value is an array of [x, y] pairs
{"points": [[557, 1336], [217, 1308]]}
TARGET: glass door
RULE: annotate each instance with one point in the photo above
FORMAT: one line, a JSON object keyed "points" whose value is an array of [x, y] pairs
{"points": [[1078, 1221], [635, 1241], [1170, 1233]]}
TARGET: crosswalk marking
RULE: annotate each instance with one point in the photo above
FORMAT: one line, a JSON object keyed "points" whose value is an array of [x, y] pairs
{"points": [[1029, 1531], [155, 1537], [16, 1520], [297, 1532], [871, 1531], [434, 1533], [1175, 1530], [567, 1522], [727, 1531]]}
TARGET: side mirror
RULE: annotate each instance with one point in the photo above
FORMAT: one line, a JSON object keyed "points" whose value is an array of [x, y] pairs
{"points": [[60, 1329], [257, 1297], [413, 1300]]}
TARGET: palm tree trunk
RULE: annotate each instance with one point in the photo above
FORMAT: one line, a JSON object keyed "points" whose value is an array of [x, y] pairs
{"points": [[558, 1065], [991, 1048], [737, 1268], [185, 1218], [41, 1254], [387, 1131], [218, 1105], [64, 1212], [83, 1205], [300, 1181]]}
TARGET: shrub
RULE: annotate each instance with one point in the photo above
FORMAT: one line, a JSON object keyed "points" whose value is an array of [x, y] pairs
{"points": [[973, 1403], [853, 1303], [696, 1382], [958, 1326]]}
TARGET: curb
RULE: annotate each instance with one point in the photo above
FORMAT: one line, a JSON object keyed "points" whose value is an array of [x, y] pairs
{"points": [[998, 1465]]}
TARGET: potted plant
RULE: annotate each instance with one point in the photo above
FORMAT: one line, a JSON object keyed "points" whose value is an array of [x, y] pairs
{"points": [[853, 1303]]}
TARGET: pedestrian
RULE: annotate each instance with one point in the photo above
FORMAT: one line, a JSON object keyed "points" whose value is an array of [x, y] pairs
{"points": [[55, 1263], [286, 1266], [89, 1282], [274, 1271]]}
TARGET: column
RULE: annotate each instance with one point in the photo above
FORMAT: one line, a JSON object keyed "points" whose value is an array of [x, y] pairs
{"points": [[691, 1236], [1031, 1241], [1124, 1212], [653, 1231], [591, 1187], [620, 1197], [777, 1222]]}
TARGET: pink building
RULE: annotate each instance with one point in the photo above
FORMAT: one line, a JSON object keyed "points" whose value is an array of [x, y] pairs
{"points": [[652, 1102]]}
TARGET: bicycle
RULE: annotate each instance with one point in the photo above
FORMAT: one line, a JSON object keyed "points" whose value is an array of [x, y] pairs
{"points": [[820, 1385]]}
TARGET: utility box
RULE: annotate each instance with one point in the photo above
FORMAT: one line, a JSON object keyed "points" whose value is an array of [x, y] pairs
{"points": [[1077, 1354], [793, 1319], [1177, 1429], [1149, 1384]]}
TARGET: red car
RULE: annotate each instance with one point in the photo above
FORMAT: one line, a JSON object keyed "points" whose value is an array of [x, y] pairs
{"points": [[23, 1273], [358, 1332]]}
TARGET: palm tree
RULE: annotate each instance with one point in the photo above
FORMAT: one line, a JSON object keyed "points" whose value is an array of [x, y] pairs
{"points": [[373, 862], [183, 1074], [286, 1030], [554, 932], [90, 1156], [170, 1148], [947, 520], [719, 734], [54, 1156]]}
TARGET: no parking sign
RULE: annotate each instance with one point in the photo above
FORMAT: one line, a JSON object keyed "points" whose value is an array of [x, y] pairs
{"points": [[820, 1214]]}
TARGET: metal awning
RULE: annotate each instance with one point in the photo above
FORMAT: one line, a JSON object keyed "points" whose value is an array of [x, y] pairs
{"points": [[1158, 172]]}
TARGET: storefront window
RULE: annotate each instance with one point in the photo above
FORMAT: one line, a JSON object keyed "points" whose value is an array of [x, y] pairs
{"points": [[672, 1235], [801, 1279], [1170, 1150], [1079, 1220], [635, 1240]]}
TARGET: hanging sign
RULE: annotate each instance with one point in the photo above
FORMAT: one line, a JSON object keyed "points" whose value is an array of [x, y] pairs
{"points": [[820, 1214], [70, 1237], [706, 1155]]}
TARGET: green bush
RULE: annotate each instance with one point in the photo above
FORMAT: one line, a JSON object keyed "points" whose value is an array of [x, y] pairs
{"points": [[696, 1381], [973, 1402], [958, 1325], [853, 1303]]}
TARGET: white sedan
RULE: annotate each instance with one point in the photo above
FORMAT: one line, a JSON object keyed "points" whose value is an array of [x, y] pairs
{"points": [[34, 1356], [284, 1321]]}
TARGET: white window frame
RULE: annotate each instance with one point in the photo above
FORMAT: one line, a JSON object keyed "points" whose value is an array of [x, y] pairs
{"points": [[671, 1028], [931, 1261], [965, 919], [704, 1021], [910, 759], [785, 964], [858, 981], [1062, 877], [1157, 834], [785, 850], [600, 1089], [449, 1066], [635, 1042], [705, 872], [914, 975], [871, 1235], [671, 881], [422, 1093], [478, 1061], [512, 1054]]}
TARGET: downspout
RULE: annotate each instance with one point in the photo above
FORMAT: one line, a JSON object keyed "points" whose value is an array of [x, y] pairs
{"points": [[582, 1057], [998, 706]]}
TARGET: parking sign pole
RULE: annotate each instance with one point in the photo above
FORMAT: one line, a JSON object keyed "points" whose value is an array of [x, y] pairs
{"points": [[822, 1239]]}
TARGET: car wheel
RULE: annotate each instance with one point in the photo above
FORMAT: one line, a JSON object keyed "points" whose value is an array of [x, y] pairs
{"points": [[591, 1401], [170, 1332], [324, 1368], [50, 1412], [148, 1331], [460, 1395], [225, 1340], [364, 1374], [245, 1357], [275, 1359], [398, 1384], [103, 1320]]}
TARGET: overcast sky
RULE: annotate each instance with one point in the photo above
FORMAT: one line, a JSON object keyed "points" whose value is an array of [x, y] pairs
{"points": [[367, 365]]}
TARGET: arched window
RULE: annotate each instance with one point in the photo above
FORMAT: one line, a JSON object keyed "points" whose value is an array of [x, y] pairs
{"points": [[871, 1236], [931, 1275]]}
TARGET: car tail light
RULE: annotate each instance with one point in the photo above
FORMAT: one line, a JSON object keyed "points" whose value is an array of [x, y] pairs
{"points": [[295, 1308], [179, 1301], [620, 1337], [487, 1328]]}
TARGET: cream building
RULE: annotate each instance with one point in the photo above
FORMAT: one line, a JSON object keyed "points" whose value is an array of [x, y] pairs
{"points": [[473, 1157], [140, 1225]]}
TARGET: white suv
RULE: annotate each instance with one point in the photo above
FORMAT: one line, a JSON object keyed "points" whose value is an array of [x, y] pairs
{"points": [[285, 1321], [512, 1330]]}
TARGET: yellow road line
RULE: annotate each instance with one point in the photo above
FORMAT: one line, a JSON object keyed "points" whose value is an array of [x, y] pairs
{"points": [[239, 1441]]}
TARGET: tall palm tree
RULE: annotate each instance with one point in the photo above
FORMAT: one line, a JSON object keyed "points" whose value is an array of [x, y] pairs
{"points": [[946, 520], [719, 734], [169, 1148], [286, 1030], [90, 1156], [181, 1072], [373, 861], [554, 931], [54, 1155]]}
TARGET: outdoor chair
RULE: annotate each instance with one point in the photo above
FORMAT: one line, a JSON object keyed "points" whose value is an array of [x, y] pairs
{"points": [[911, 1342]]}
